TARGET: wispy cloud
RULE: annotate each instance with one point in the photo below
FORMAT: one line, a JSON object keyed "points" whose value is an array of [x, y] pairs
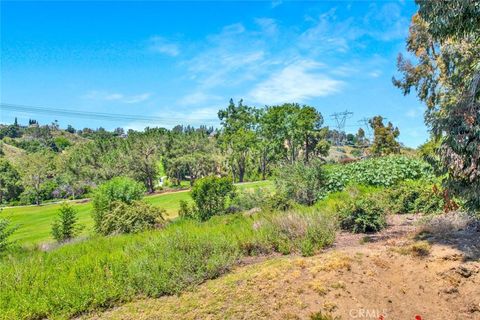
{"points": [[414, 112], [162, 45], [297, 82], [117, 97]]}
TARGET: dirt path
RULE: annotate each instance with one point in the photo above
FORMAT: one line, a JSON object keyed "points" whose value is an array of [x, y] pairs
{"points": [[389, 275]]}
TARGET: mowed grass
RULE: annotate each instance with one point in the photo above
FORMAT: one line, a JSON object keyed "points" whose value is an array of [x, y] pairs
{"points": [[34, 222]]}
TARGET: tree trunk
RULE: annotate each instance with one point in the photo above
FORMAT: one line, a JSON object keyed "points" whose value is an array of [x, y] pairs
{"points": [[150, 184], [306, 148]]}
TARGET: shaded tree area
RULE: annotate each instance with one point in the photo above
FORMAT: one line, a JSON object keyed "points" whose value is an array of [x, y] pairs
{"points": [[444, 38]]}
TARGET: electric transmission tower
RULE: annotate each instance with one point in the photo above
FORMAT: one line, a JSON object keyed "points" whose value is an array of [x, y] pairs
{"points": [[340, 122]]}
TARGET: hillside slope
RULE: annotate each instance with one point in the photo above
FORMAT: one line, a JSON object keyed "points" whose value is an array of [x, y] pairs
{"points": [[391, 274]]}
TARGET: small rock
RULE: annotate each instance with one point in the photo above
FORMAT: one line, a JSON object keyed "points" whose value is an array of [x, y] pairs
{"points": [[464, 271], [450, 290]]}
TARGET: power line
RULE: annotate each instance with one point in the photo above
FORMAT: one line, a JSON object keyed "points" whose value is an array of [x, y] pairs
{"points": [[340, 120], [58, 112]]}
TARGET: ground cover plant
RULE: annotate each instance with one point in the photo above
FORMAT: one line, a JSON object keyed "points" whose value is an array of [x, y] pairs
{"points": [[383, 171]]}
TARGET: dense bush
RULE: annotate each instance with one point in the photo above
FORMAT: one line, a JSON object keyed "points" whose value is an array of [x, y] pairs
{"points": [[384, 172], [118, 189], [365, 213], [210, 195], [414, 196], [131, 218], [65, 227], [301, 182]]}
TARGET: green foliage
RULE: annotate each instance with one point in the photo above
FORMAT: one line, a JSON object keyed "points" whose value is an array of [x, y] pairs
{"points": [[363, 214], [36, 170], [120, 189], [61, 143], [130, 218], [65, 227], [210, 195], [384, 141], [186, 210], [237, 138], [445, 41], [10, 187], [248, 199], [384, 171], [102, 272], [6, 230], [413, 196], [301, 182]]}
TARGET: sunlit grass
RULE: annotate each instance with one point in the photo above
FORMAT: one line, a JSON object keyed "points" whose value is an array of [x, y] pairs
{"points": [[34, 222]]}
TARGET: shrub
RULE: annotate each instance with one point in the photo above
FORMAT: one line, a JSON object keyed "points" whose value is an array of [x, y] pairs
{"points": [[6, 230], [301, 231], [118, 189], [249, 199], [415, 196], [131, 218], [210, 195], [186, 211], [65, 227], [301, 182], [279, 202], [363, 214]]}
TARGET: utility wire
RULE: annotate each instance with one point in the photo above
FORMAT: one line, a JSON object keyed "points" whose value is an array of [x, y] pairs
{"points": [[94, 115]]}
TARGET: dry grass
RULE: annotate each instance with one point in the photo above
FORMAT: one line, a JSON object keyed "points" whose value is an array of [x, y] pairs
{"points": [[447, 223], [416, 249]]}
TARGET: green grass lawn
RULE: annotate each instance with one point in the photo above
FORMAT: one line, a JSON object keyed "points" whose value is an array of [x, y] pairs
{"points": [[34, 222]]}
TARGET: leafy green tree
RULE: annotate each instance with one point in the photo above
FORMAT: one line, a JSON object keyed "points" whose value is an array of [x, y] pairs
{"points": [[360, 139], [143, 154], [191, 154], [384, 139], [119, 189], [237, 136], [65, 226], [444, 37], [36, 170], [295, 130], [210, 195], [10, 187]]}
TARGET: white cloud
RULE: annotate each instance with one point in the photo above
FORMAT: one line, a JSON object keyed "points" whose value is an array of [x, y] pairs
{"points": [[297, 82], [117, 97], [161, 45]]}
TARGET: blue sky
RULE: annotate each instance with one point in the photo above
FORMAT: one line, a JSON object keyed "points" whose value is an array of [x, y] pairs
{"points": [[182, 61]]}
